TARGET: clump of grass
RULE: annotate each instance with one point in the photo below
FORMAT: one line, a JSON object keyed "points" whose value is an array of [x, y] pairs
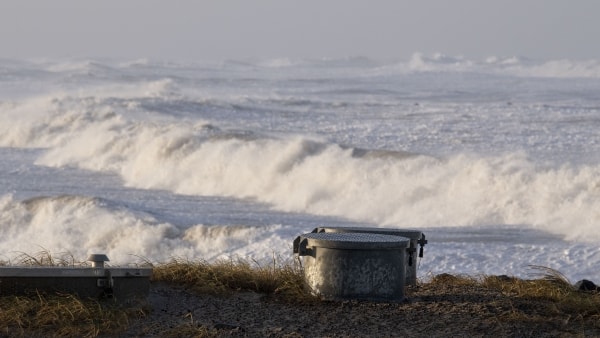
{"points": [[226, 276], [548, 297], [45, 258], [60, 316], [42, 258], [548, 284], [552, 286]]}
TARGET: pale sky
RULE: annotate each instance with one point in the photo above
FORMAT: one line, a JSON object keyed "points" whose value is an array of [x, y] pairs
{"points": [[239, 29]]}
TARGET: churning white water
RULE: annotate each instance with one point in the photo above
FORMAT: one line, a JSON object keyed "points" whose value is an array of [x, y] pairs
{"points": [[498, 161]]}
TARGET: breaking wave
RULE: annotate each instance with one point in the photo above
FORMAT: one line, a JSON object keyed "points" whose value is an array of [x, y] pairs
{"points": [[81, 225], [309, 175]]}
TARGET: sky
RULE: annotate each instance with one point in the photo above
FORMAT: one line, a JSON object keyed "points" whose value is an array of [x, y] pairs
{"points": [[268, 29]]}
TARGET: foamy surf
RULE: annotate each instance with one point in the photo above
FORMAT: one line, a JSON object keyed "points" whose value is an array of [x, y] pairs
{"points": [[303, 175], [238, 158], [81, 225]]}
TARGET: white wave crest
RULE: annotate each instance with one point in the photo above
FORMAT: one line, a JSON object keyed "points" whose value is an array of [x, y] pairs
{"points": [[81, 225], [299, 174], [512, 66]]}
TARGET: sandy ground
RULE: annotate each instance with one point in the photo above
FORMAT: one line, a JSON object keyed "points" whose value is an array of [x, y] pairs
{"points": [[453, 311]]}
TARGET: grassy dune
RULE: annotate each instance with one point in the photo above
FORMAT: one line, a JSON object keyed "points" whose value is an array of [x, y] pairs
{"points": [[542, 299]]}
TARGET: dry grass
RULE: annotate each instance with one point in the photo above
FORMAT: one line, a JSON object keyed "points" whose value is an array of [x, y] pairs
{"points": [[60, 316], [226, 276], [551, 286], [548, 294], [44, 258]]}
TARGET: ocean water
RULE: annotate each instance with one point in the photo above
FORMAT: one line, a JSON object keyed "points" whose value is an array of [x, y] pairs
{"points": [[496, 160]]}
